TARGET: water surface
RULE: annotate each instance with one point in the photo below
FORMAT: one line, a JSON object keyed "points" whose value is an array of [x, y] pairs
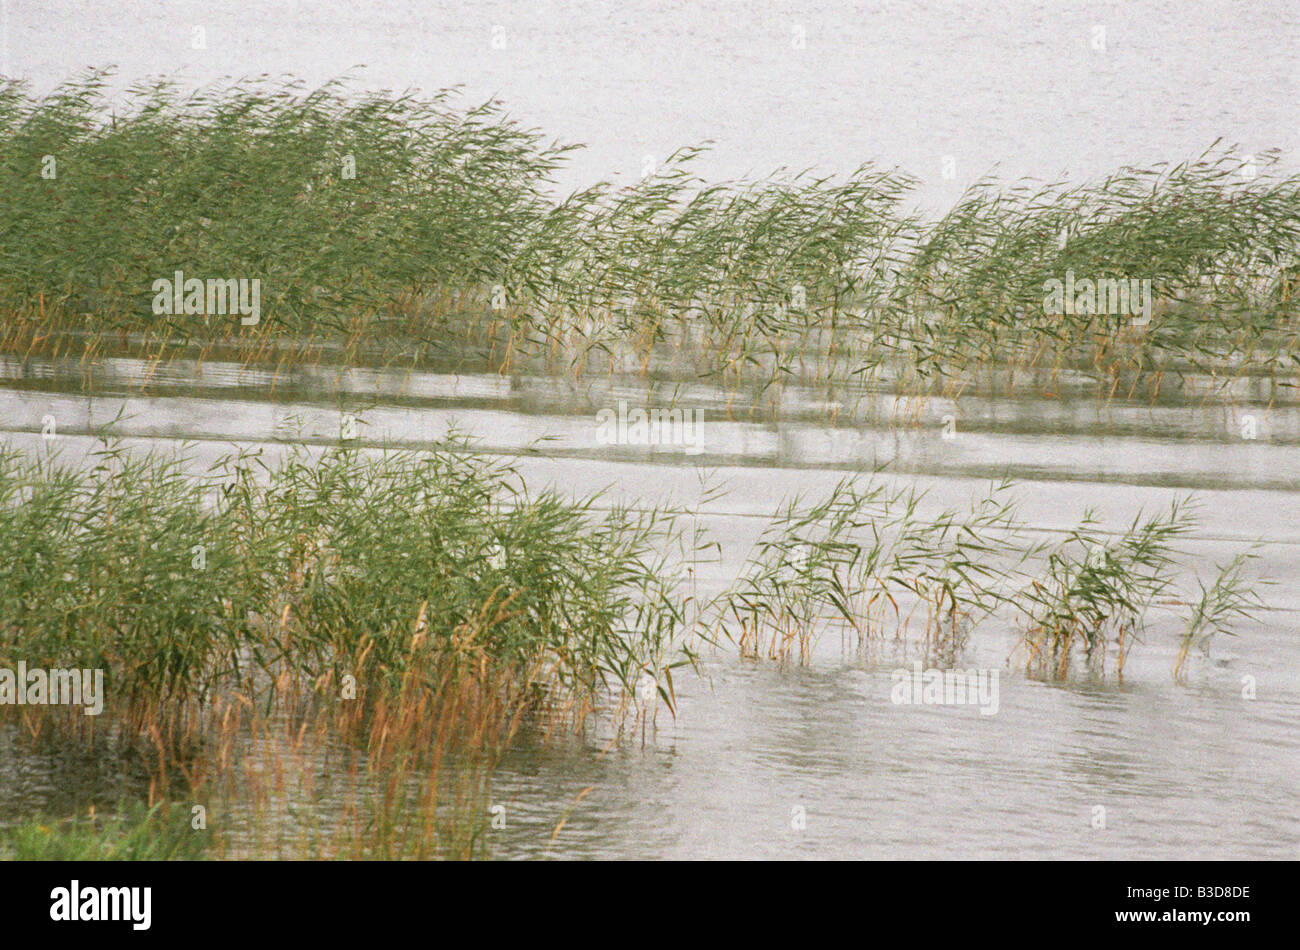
{"points": [[771, 760]]}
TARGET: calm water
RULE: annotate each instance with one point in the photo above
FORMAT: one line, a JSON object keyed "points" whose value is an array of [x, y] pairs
{"points": [[1015, 84], [766, 761]]}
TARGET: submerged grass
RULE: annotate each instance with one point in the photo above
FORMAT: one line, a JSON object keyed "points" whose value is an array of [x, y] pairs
{"points": [[851, 558], [1095, 591], [867, 561], [1234, 596]]}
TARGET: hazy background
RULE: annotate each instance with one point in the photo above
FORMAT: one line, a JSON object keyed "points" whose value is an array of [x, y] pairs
{"points": [[1012, 83]]}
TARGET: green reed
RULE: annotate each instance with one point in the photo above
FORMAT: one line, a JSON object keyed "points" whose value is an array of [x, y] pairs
{"points": [[1234, 596], [416, 224], [373, 565], [238, 610], [862, 556], [867, 561], [1095, 590]]}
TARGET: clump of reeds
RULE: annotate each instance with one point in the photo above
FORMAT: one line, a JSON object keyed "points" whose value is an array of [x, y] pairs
{"points": [[851, 558], [1095, 590], [868, 561], [121, 567], [373, 566], [383, 619], [350, 210]]}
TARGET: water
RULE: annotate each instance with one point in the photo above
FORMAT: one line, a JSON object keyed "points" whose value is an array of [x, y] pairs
{"points": [[1015, 84], [765, 760]]}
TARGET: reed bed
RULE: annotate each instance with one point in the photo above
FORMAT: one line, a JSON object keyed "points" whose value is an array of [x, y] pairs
{"points": [[392, 568], [400, 227], [338, 563], [866, 561], [404, 774], [328, 656]]}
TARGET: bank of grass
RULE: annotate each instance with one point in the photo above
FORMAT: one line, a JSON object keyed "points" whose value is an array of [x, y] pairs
{"points": [[391, 227], [133, 832]]}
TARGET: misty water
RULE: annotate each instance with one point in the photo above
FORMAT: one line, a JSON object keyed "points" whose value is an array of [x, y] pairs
{"points": [[766, 759], [947, 89]]}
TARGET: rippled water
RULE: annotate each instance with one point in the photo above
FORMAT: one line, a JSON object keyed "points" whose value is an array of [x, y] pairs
{"points": [[765, 760]]}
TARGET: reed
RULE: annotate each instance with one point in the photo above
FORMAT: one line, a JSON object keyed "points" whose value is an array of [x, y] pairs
{"points": [[369, 631], [1094, 591], [1234, 596], [851, 558], [347, 563], [407, 228], [868, 562], [382, 620]]}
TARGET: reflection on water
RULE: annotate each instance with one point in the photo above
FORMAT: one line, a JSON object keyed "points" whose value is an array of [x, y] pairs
{"points": [[771, 761]]}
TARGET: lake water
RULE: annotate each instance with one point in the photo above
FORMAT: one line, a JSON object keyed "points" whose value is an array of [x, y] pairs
{"points": [[1027, 86], [765, 760]]}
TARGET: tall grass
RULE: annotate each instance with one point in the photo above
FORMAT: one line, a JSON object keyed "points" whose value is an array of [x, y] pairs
{"points": [[867, 561], [863, 555], [374, 566], [448, 239], [330, 654], [383, 620], [1094, 591]]}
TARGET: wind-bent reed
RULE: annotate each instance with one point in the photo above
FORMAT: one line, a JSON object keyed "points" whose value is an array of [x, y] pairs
{"points": [[866, 561], [387, 227]]}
